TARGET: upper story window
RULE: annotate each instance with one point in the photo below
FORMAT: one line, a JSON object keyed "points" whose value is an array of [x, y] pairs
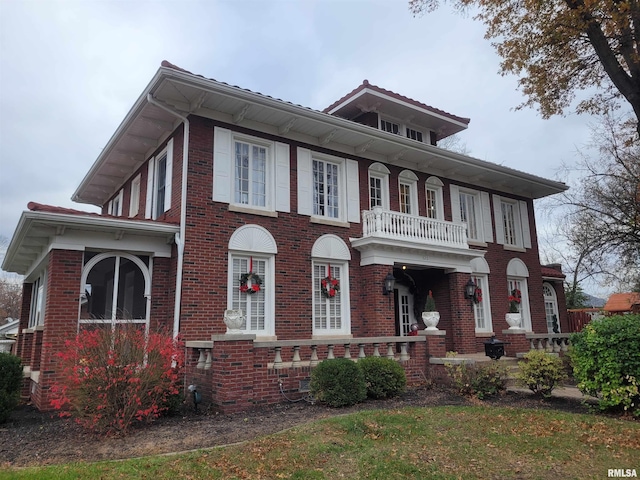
{"points": [[134, 198], [115, 205], [433, 193], [328, 187], [250, 182], [512, 222], [414, 134], [379, 186], [36, 310], [250, 172], [407, 187], [159, 182], [473, 208], [390, 127]]}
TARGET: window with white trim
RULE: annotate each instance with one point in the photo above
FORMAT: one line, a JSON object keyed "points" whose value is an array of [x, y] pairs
{"points": [[36, 310], [482, 309], [252, 304], [414, 134], [520, 284], [115, 289], [469, 214], [331, 313], [159, 178], [512, 222], [550, 307], [115, 205], [326, 188], [473, 208], [433, 194], [390, 127], [379, 186], [408, 190], [250, 173], [134, 198]]}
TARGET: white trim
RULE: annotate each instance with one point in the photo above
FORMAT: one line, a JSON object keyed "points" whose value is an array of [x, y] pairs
{"points": [[134, 196], [222, 165], [352, 181], [283, 177], [410, 179], [435, 185], [381, 172], [343, 203], [305, 182], [148, 205], [254, 239]]}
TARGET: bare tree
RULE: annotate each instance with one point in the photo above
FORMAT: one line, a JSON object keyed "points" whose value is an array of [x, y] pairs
{"points": [[10, 299]]}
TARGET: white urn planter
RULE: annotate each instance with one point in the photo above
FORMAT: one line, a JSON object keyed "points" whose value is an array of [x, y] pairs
{"points": [[234, 320], [431, 319], [513, 320]]}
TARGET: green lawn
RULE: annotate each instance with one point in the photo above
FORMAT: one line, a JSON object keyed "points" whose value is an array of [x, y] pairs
{"points": [[440, 442]]}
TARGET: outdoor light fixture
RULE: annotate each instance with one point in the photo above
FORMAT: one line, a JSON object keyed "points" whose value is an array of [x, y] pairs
{"points": [[469, 290], [389, 283]]}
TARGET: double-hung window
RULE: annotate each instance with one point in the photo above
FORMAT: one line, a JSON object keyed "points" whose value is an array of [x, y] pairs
{"points": [[481, 308], [468, 214], [512, 223], [472, 208], [159, 182], [250, 174], [115, 205], [433, 194], [326, 189], [378, 186], [36, 311], [407, 187], [253, 305]]}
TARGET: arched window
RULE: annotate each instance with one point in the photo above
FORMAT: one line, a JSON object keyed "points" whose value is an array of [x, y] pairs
{"points": [[378, 186], [252, 249], [408, 188], [115, 289], [481, 309], [551, 307], [517, 274], [331, 314]]}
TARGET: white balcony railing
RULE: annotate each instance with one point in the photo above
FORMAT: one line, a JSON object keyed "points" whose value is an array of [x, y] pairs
{"points": [[400, 226]]}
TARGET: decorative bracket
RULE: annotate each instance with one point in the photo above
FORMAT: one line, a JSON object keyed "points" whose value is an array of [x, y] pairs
{"points": [[365, 146], [238, 117], [284, 129], [327, 137]]}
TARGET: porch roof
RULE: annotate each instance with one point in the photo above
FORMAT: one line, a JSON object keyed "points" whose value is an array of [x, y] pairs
{"points": [[44, 228], [147, 125]]}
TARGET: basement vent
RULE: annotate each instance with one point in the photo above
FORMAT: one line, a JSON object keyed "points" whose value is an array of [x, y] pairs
{"points": [[304, 386]]}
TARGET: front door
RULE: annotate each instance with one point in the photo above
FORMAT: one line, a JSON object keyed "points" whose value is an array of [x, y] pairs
{"points": [[404, 310]]}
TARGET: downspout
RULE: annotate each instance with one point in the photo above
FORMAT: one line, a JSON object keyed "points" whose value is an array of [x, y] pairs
{"points": [[180, 237]]}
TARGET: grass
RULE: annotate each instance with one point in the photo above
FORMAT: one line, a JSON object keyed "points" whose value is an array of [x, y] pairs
{"points": [[438, 443]]}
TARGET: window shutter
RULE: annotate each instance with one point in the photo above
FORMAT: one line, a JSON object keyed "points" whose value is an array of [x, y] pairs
{"points": [[168, 176], [148, 207], [497, 214], [353, 192], [455, 204], [524, 220], [486, 217], [110, 207], [222, 165], [305, 196], [283, 185]]}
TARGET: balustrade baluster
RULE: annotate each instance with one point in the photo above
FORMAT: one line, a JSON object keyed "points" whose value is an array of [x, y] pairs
{"points": [[201, 359], [556, 345], [361, 352], [390, 353], [540, 347], [565, 345], [532, 345], [376, 349], [549, 346], [208, 361], [296, 357], [314, 356], [277, 361], [404, 352], [347, 350], [330, 352]]}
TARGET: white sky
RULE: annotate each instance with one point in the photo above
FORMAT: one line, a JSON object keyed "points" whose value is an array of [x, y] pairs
{"points": [[71, 70]]}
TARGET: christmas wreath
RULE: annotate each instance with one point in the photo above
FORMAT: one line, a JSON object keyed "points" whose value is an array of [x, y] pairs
{"points": [[250, 283], [477, 296], [514, 301], [330, 286]]}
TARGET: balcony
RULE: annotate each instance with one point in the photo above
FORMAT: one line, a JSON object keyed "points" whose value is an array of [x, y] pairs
{"points": [[390, 237]]}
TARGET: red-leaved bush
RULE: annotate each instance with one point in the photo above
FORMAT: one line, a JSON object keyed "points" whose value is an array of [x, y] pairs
{"points": [[114, 377]]}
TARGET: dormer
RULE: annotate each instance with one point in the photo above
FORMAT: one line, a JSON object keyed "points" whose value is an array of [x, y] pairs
{"points": [[385, 110]]}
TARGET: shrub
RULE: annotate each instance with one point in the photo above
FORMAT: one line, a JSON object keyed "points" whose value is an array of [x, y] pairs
{"points": [[113, 378], [10, 383], [540, 372], [338, 382], [480, 380], [384, 377], [606, 362]]}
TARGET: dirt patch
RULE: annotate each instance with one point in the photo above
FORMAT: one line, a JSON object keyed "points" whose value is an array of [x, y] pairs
{"points": [[34, 438]]}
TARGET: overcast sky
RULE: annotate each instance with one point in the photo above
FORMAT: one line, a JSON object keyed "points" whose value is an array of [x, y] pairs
{"points": [[71, 70]]}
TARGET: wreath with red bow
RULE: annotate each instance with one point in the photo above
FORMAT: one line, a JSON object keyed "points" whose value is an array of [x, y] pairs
{"points": [[250, 283], [477, 296], [330, 286]]}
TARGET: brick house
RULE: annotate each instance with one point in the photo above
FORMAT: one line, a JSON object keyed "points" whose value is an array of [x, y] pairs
{"points": [[204, 183]]}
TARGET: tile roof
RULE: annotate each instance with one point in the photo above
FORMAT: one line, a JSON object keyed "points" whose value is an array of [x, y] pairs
{"points": [[552, 272], [40, 207], [397, 96], [622, 302]]}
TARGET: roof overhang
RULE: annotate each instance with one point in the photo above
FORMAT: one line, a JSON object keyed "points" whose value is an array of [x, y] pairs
{"points": [[38, 233], [146, 126]]}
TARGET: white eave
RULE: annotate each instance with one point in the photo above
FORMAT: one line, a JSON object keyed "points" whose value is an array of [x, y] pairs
{"points": [[146, 126], [39, 232]]}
